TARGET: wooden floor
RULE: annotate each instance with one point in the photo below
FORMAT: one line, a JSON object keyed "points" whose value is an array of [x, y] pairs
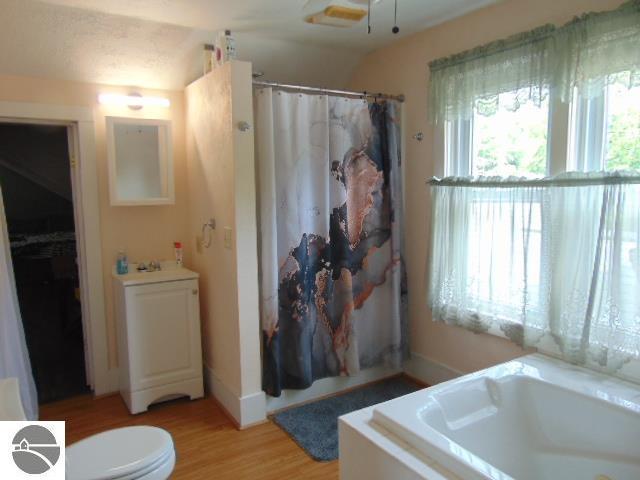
{"points": [[207, 444]]}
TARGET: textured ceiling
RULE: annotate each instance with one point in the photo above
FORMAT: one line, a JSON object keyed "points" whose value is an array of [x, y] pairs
{"points": [[157, 43]]}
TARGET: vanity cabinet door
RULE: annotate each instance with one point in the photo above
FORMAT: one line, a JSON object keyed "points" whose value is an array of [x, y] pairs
{"points": [[163, 333]]}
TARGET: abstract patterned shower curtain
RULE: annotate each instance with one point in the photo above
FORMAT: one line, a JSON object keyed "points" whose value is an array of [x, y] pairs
{"points": [[332, 289]]}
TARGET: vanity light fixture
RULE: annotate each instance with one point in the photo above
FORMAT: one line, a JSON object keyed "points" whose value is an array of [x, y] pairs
{"points": [[132, 101]]}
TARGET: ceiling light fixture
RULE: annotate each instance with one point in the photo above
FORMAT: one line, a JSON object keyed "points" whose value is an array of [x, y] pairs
{"points": [[334, 15], [341, 13], [132, 101]]}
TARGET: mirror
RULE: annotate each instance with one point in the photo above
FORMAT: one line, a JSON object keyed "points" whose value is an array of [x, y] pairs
{"points": [[140, 161]]}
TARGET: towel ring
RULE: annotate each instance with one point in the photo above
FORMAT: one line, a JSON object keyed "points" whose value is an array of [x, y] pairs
{"points": [[210, 226]]}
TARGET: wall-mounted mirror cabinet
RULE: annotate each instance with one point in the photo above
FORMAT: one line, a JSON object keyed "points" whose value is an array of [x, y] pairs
{"points": [[140, 162]]}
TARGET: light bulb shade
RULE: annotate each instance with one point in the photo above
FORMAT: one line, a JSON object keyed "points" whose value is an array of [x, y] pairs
{"points": [[132, 100]]}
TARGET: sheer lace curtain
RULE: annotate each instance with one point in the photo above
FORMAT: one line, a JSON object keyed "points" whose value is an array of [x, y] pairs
{"points": [[486, 255], [14, 357], [551, 263], [587, 53]]}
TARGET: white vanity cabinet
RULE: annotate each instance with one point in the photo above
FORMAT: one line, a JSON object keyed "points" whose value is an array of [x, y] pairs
{"points": [[159, 349]]}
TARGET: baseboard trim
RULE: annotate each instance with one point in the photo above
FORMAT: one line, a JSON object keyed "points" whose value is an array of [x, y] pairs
{"points": [[429, 371], [342, 392], [328, 387], [249, 410], [244, 411], [108, 385], [253, 409]]}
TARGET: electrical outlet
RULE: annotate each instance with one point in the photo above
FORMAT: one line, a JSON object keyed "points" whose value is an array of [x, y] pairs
{"points": [[227, 238]]}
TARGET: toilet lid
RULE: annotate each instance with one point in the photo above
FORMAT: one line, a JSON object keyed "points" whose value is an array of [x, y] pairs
{"points": [[117, 453]]}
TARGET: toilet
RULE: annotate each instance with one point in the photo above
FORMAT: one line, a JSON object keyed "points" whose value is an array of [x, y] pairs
{"points": [[129, 453]]}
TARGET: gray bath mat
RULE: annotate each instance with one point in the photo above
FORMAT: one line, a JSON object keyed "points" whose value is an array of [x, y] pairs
{"points": [[314, 426]]}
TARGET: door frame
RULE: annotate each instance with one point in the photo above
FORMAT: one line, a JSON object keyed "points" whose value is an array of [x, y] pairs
{"points": [[86, 204]]}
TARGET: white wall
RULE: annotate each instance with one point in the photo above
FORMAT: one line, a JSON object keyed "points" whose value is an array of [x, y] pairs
{"points": [[145, 232], [221, 185]]}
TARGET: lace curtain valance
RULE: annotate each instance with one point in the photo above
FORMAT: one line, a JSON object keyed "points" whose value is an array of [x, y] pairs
{"points": [[587, 53]]}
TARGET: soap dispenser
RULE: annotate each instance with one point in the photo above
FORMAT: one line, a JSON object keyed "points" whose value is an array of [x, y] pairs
{"points": [[177, 247], [122, 263]]}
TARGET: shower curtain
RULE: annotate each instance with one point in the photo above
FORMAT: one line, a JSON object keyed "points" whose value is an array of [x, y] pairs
{"points": [[14, 357], [333, 298]]}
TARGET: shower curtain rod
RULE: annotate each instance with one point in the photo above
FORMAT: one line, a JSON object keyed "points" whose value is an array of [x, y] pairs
{"points": [[326, 91]]}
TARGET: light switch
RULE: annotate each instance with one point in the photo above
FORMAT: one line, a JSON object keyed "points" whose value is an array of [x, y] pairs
{"points": [[227, 238]]}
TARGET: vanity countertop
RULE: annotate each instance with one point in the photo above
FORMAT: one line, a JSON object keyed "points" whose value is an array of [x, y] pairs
{"points": [[169, 273]]}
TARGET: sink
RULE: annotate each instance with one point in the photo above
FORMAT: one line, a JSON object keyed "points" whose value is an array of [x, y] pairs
{"points": [[170, 272], [10, 404]]}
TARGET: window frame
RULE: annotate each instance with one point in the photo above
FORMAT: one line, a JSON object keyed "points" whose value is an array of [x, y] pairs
{"points": [[587, 135], [576, 138]]}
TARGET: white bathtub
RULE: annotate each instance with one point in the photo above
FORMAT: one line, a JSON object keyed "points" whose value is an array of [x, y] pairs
{"points": [[530, 419]]}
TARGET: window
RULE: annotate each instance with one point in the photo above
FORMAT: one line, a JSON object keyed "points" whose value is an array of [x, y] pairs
{"points": [[623, 128], [605, 129], [510, 140], [499, 252], [604, 134], [507, 139], [546, 262]]}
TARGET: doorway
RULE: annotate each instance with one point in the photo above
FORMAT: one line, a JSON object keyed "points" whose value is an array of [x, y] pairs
{"points": [[36, 181]]}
